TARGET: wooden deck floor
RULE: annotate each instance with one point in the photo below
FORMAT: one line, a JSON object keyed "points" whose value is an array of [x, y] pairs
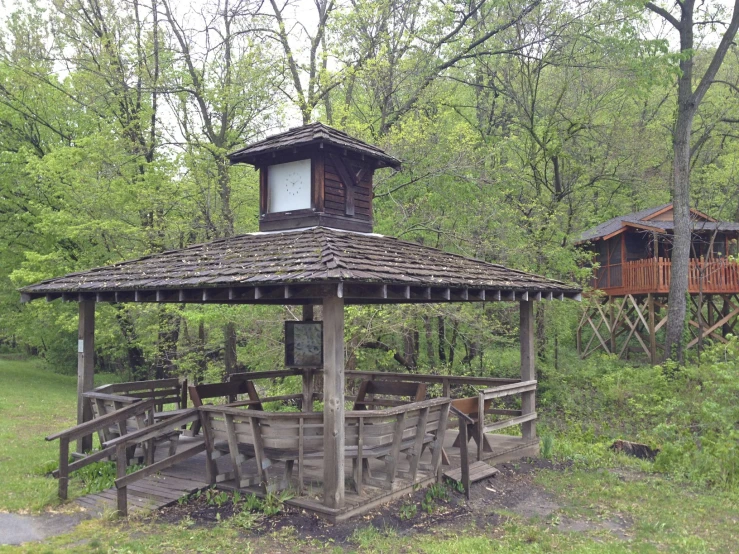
{"points": [[167, 487]]}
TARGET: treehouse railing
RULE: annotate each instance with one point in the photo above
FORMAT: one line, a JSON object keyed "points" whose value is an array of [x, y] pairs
{"points": [[715, 276]]}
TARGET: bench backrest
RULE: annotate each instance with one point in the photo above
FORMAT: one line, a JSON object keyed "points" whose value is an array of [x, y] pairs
{"points": [[388, 394], [103, 404], [165, 392], [286, 434], [228, 391]]}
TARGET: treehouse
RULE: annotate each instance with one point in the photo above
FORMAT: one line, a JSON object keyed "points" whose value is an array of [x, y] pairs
{"points": [[633, 268], [315, 248]]}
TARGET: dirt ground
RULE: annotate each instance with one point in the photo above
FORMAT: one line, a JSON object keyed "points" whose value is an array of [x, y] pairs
{"points": [[511, 491]]}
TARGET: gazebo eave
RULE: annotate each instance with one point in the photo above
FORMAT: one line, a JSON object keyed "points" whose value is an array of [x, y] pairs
{"points": [[353, 293]]}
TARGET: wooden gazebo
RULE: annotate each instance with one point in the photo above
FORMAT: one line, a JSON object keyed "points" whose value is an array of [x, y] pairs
{"points": [[633, 254], [315, 247]]}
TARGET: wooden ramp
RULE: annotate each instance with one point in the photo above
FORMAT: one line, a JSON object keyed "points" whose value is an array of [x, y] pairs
{"points": [[478, 472], [150, 493]]}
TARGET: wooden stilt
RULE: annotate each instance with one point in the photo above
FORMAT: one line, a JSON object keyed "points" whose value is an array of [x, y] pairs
{"points": [[612, 325], [652, 332]]}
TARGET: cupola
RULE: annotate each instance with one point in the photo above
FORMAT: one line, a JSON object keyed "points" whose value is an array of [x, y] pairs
{"points": [[314, 175]]}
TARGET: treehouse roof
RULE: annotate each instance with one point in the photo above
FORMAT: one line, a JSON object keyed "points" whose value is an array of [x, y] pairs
{"points": [[277, 267], [657, 219], [309, 135]]}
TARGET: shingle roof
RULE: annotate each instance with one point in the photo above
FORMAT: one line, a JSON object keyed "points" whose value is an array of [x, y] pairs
{"points": [[313, 133], [699, 223], [613, 225], [309, 256]]}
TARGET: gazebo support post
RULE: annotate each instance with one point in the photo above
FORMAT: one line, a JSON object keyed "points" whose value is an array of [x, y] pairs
{"points": [[308, 373], [528, 365], [85, 367], [333, 401]]}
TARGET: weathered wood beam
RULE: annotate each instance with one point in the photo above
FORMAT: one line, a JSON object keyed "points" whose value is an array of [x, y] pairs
{"points": [[460, 295], [365, 291], [85, 367], [333, 398], [439, 293], [51, 296], [145, 296], [123, 296], [167, 296], [242, 293], [105, 297], [528, 367], [399, 292]]}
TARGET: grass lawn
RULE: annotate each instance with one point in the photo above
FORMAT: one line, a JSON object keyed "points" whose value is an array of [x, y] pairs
{"points": [[613, 508], [34, 403]]}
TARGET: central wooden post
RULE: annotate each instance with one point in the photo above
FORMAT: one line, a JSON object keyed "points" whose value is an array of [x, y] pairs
{"points": [[85, 367], [528, 365], [333, 401], [308, 376]]}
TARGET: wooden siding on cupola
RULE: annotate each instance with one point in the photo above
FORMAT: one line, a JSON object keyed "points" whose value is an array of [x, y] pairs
{"points": [[342, 170]]}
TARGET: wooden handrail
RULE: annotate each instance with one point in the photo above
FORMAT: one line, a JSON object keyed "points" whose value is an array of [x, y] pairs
{"points": [[256, 414], [110, 397], [89, 427], [508, 390], [141, 385], [380, 375], [154, 431]]}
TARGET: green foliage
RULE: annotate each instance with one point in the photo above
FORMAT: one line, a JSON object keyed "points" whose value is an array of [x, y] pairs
{"points": [[252, 503], [689, 413], [99, 476], [435, 493], [408, 510], [547, 442], [273, 503]]}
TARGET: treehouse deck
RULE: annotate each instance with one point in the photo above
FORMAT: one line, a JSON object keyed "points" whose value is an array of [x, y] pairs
{"points": [[171, 484]]}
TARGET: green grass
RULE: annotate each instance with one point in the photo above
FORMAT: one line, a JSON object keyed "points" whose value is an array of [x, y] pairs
{"points": [[34, 403]]}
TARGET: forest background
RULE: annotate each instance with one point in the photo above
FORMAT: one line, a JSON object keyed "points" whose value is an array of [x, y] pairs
{"points": [[519, 123]]}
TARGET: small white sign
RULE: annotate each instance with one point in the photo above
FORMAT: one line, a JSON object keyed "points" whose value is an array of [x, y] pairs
{"points": [[80, 346]]}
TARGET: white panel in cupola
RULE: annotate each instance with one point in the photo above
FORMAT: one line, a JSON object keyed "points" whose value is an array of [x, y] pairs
{"points": [[289, 186]]}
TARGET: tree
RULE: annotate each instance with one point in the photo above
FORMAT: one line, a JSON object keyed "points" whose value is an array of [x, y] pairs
{"points": [[689, 99]]}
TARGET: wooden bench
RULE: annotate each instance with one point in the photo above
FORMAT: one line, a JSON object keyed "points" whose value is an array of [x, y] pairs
{"points": [[103, 404], [269, 437], [375, 394], [477, 407], [169, 395]]}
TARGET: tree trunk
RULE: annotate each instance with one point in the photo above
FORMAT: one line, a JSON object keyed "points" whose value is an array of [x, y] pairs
{"points": [[429, 340], [169, 334], [442, 339], [680, 257], [229, 351], [134, 353]]}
